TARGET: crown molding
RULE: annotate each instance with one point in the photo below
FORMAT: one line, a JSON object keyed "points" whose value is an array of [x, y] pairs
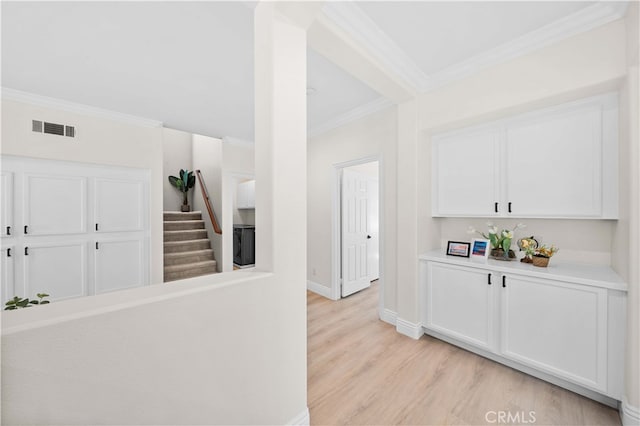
{"points": [[349, 116], [357, 24], [581, 21], [76, 108]]}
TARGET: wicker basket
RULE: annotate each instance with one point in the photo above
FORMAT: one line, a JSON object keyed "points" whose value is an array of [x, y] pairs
{"points": [[540, 261]]}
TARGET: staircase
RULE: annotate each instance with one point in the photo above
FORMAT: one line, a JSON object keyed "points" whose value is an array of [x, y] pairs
{"points": [[187, 249]]}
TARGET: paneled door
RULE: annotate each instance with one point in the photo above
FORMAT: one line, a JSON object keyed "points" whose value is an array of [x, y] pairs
{"points": [[6, 204], [119, 205], [355, 203], [119, 264], [7, 277]]}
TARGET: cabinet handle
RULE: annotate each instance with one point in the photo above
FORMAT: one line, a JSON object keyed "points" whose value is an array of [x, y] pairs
{"points": [[26, 251], [504, 281], [8, 252], [96, 226], [97, 248], [26, 229], [509, 207], [495, 207], [489, 278], [8, 230]]}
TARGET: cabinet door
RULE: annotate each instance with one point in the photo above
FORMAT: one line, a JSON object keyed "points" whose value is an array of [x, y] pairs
{"points": [[459, 303], [242, 196], [557, 327], [251, 194], [554, 164], [6, 204], [119, 205], [119, 265], [465, 171], [7, 276], [55, 205], [57, 269]]}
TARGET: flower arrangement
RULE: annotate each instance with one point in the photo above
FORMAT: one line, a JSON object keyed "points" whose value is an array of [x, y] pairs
{"points": [[545, 251], [499, 240]]}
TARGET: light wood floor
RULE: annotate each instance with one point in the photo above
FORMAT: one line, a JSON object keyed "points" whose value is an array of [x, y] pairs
{"points": [[362, 372]]}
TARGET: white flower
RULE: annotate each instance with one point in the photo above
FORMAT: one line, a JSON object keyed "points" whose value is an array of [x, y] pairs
{"points": [[507, 234], [490, 224], [493, 229], [520, 225], [471, 230]]}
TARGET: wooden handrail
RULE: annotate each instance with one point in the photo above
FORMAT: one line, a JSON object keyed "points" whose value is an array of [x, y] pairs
{"points": [[207, 202]]}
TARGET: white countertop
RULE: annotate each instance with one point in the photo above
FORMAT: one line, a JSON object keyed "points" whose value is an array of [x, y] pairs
{"points": [[593, 275]]}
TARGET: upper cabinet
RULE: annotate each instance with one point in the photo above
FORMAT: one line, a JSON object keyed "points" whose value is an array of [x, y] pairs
{"points": [[558, 162], [6, 204], [246, 195]]}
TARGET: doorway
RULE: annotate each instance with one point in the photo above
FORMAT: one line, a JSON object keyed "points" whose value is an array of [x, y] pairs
{"points": [[357, 255]]}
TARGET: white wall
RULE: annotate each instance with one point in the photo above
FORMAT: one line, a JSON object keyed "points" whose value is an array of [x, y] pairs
{"points": [[99, 140], [207, 157], [177, 154], [374, 135]]}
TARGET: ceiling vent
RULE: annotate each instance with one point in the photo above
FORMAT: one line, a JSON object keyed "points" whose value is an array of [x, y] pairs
{"points": [[53, 128]]}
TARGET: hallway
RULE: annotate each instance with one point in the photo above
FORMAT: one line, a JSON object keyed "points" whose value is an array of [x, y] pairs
{"points": [[361, 371]]}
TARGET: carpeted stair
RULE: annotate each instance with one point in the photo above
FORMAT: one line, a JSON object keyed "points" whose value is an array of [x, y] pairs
{"points": [[187, 250]]}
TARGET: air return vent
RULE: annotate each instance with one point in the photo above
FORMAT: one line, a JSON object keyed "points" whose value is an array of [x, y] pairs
{"points": [[53, 128]]}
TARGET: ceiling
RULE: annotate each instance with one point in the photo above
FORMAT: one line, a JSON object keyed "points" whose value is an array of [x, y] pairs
{"points": [[190, 64]]}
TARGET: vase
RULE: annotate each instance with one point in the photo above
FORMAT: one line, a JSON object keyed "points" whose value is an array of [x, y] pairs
{"points": [[185, 208], [541, 261], [499, 254]]}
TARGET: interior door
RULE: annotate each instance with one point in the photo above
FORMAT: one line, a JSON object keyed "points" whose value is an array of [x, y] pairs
{"points": [[355, 257], [373, 227]]}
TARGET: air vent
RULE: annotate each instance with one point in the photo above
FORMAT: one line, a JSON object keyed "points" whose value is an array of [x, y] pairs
{"points": [[53, 128]]}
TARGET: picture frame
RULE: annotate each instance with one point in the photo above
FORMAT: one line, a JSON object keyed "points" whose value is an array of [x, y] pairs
{"points": [[458, 248], [480, 249]]}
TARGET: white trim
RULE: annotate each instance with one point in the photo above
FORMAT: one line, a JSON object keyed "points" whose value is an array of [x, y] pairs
{"points": [[355, 22], [237, 141], [302, 419], [388, 316], [579, 22], [320, 289], [349, 116], [59, 104], [629, 414], [408, 328]]}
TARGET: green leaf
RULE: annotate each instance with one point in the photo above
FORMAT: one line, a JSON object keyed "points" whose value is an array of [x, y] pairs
{"points": [[41, 295], [506, 244], [174, 181], [44, 302], [191, 182]]}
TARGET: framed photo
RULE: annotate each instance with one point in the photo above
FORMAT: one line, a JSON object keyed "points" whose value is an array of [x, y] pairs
{"points": [[480, 249], [457, 248]]}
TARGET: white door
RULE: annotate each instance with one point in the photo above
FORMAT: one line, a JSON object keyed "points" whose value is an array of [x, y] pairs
{"points": [[55, 205], [459, 303], [57, 269], [119, 205], [556, 327], [6, 274], [355, 202], [6, 204], [118, 265], [373, 234]]}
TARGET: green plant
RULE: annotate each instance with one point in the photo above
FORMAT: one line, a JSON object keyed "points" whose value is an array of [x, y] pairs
{"points": [[499, 240], [545, 251], [184, 182], [18, 302]]}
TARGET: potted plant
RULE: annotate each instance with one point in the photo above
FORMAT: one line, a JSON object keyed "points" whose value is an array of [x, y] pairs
{"points": [[184, 182], [500, 240], [529, 246], [542, 255]]}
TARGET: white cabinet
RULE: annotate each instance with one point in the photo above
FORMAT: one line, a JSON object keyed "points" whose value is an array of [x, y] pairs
{"points": [[61, 210], [6, 204], [559, 162], [557, 327], [118, 265], [246, 195], [460, 303], [565, 324]]}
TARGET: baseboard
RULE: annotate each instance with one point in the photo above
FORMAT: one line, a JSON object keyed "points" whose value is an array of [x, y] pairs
{"points": [[629, 414], [409, 329], [389, 316], [302, 419], [319, 289]]}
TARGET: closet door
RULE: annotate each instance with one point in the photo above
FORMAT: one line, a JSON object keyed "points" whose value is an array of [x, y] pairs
{"points": [[119, 264], [7, 277], [119, 205], [7, 228], [54, 204], [56, 268]]}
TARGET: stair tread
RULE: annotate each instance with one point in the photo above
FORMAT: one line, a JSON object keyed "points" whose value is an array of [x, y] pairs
{"points": [[189, 253], [188, 266], [177, 243], [182, 231], [179, 212]]}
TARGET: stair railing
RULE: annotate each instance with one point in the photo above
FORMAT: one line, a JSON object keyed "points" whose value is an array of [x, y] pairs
{"points": [[207, 202]]}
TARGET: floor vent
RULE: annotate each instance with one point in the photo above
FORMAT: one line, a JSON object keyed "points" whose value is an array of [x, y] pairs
{"points": [[53, 128]]}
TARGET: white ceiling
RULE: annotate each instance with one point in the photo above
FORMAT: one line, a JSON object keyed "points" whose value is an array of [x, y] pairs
{"points": [[190, 64]]}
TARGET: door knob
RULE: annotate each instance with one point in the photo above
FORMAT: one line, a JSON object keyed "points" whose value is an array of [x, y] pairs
{"points": [[368, 237]]}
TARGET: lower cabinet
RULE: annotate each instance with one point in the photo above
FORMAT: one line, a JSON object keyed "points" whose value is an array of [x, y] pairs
{"points": [[118, 265], [560, 328], [58, 269]]}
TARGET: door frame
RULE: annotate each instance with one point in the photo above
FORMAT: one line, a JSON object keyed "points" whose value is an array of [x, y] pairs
{"points": [[336, 214], [229, 181]]}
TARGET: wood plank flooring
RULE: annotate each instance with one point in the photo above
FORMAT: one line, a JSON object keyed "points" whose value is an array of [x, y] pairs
{"points": [[362, 372]]}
